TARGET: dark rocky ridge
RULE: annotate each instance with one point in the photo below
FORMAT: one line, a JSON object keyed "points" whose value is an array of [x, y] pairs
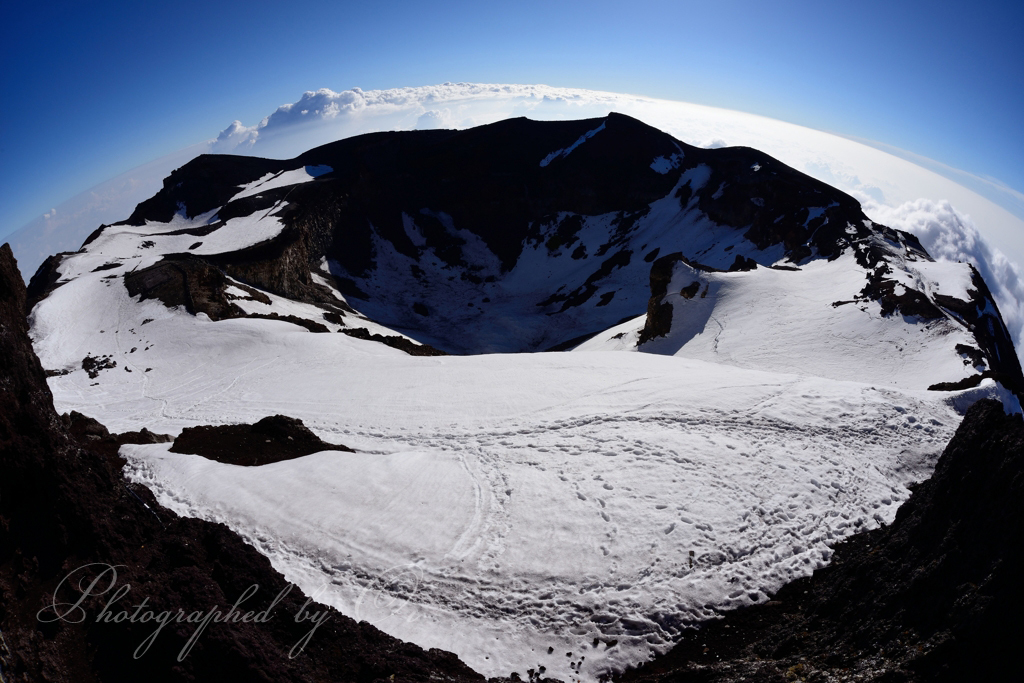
{"points": [[489, 181], [936, 596], [64, 503], [210, 182], [184, 280], [85, 429], [394, 341], [491, 184], [45, 279]]}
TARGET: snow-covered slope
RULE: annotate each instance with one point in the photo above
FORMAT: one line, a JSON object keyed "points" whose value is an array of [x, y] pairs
{"points": [[516, 507], [811, 321]]}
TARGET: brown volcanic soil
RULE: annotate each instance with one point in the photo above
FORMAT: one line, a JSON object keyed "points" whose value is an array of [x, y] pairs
{"points": [[272, 439], [936, 596], [64, 503]]}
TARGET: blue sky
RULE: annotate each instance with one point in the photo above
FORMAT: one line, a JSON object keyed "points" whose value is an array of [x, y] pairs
{"points": [[93, 89]]}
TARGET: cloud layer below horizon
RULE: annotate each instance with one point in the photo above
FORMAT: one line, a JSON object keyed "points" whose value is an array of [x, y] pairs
{"points": [[952, 221]]}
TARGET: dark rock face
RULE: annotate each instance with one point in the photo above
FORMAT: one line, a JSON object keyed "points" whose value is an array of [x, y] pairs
{"points": [[272, 439], [184, 280], [64, 503], [310, 325], [280, 266], [936, 596], [93, 366], [659, 314], [488, 180], [44, 281], [207, 182], [982, 316], [87, 430], [200, 287], [395, 342], [743, 263]]}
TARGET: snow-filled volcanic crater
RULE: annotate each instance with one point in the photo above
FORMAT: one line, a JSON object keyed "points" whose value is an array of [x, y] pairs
{"points": [[796, 368]]}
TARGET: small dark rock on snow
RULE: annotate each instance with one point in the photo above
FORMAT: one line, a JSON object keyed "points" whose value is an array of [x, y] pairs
{"points": [[272, 439]]}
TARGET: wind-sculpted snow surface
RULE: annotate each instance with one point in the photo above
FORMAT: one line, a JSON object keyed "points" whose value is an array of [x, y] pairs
{"points": [[934, 597], [72, 527], [504, 505]]}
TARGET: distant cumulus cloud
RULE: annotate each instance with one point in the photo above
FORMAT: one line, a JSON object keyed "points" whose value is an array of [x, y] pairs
{"points": [[320, 104], [235, 138], [321, 116], [433, 119]]}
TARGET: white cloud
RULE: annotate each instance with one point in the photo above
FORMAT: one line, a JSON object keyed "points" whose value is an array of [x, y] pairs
{"points": [[433, 119], [235, 138]]}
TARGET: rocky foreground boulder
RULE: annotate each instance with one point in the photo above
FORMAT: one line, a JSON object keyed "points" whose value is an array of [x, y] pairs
{"points": [[67, 515], [935, 596]]}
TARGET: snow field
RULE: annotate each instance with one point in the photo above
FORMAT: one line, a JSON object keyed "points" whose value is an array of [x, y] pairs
{"points": [[504, 504], [272, 181], [785, 321]]}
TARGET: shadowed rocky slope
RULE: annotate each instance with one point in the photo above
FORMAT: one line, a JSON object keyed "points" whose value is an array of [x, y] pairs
{"points": [[64, 503], [936, 596]]}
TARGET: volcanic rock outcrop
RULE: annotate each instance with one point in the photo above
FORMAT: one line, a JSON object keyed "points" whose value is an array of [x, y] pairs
{"points": [[272, 439]]}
